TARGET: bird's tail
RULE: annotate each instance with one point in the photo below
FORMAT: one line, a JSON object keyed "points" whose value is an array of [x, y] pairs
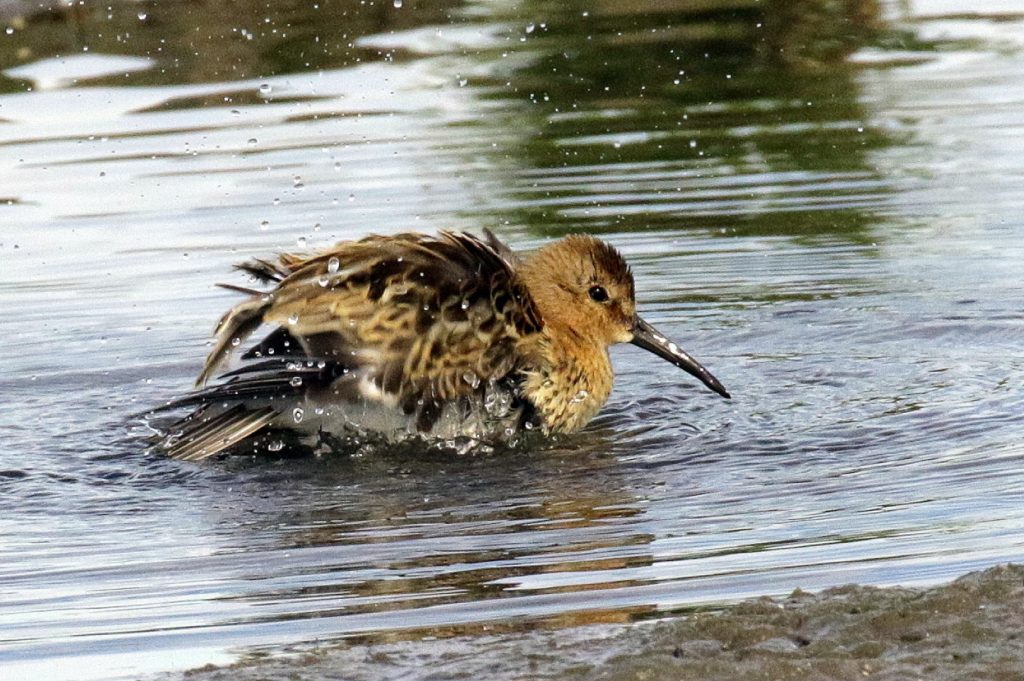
{"points": [[246, 403], [208, 431]]}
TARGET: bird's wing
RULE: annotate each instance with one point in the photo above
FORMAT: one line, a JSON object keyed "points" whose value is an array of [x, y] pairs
{"points": [[246, 402], [421, 317]]}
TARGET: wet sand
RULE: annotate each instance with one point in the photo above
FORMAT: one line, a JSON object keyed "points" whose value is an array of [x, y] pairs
{"points": [[972, 628]]}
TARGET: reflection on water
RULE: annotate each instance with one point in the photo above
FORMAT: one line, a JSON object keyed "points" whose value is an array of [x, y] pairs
{"points": [[208, 41], [824, 204], [683, 119]]}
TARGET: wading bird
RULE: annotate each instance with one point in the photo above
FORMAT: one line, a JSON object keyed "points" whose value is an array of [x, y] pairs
{"points": [[441, 337]]}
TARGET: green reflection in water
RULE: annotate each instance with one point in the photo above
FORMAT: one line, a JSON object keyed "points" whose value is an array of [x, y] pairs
{"points": [[213, 40], [690, 116]]}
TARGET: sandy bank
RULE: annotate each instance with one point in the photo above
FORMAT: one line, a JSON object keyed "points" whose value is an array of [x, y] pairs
{"points": [[972, 628]]}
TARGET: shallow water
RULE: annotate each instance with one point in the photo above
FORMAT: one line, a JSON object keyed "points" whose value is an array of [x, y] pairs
{"points": [[836, 236]]}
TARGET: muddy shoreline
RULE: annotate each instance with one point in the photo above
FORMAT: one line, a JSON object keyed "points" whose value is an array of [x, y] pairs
{"points": [[970, 628]]}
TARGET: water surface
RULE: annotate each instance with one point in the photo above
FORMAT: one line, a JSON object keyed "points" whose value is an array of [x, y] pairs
{"points": [[830, 222]]}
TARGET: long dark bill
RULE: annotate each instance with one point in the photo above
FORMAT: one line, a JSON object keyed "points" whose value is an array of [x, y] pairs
{"points": [[647, 337]]}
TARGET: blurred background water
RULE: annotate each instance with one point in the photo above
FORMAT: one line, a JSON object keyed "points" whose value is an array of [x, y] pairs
{"points": [[821, 199]]}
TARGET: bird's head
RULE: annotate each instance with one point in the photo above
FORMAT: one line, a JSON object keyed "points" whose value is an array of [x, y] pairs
{"points": [[584, 289]]}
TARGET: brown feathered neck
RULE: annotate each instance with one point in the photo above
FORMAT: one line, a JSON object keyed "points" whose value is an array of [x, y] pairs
{"points": [[584, 291]]}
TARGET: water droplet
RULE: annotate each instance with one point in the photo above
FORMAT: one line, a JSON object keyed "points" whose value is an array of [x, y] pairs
{"points": [[297, 414], [332, 265], [693, 144], [266, 89], [293, 319], [530, 28], [324, 281], [236, 341], [142, 16], [9, 30], [463, 82], [301, 242], [465, 304], [351, 197], [253, 141], [295, 382], [275, 446], [398, 4], [472, 379], [580, 396]]}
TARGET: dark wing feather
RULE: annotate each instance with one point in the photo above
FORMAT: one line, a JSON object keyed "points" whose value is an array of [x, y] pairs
{"points": [[203, 434], [234, 327], [271, 379], [248, 400], [264, 270], [278, 343], [499, 247]]}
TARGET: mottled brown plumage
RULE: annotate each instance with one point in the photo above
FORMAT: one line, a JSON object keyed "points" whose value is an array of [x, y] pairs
{"points": [[455, 334]]}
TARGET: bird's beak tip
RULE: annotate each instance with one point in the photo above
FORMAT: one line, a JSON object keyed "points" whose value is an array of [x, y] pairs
{"points": [[650, 339]]}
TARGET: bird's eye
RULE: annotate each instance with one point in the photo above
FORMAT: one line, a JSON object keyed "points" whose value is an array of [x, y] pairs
{"points": [[598, 294]]}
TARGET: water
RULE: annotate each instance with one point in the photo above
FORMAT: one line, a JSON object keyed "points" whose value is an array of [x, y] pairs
{"points": [[835, 232]]}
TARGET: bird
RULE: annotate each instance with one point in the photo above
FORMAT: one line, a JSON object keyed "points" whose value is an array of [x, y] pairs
{"points": [[439, 337]]}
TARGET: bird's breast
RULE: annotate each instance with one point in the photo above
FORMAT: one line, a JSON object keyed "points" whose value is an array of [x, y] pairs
{"points": [[568, 393]]}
